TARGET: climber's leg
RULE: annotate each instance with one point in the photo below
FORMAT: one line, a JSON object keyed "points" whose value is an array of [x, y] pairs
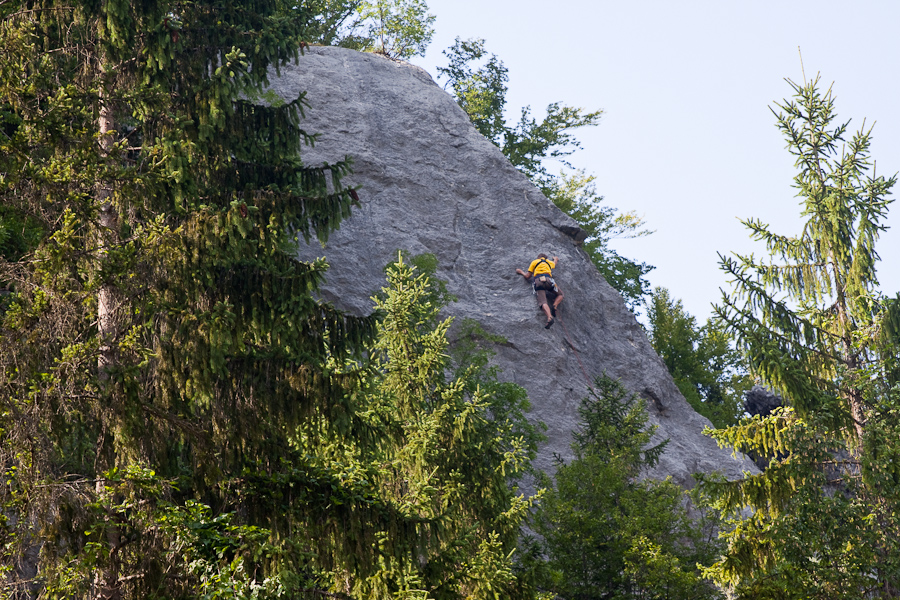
{"points": [[544, 304], [557, 301]]}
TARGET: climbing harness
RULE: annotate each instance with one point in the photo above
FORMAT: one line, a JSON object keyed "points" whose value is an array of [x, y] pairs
{"points": [[544, 280]]}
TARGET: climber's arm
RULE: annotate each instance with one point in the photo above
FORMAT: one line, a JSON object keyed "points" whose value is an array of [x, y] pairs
{"points": [[527, 275]]}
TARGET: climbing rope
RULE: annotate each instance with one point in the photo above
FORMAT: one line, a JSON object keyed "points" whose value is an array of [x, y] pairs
{"points": [[575, 350]]}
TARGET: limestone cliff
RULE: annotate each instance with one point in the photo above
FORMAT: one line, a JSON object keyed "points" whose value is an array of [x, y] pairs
{"points": [[431, 183]]}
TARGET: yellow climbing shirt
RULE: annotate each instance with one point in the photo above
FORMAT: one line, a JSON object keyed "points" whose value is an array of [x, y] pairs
{"points": [[542, 266]]}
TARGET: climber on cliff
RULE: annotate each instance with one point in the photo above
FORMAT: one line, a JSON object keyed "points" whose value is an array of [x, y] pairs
{"points": [[540, 274]]}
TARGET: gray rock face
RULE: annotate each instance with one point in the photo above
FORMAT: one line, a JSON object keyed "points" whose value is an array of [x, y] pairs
{"points": [[431, 183]]}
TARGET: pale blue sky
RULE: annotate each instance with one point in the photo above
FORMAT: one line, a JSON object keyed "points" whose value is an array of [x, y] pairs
{"points": [[687, 139]]}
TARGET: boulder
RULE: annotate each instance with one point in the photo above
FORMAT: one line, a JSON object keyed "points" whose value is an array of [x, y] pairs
{"points": [[430, 183]]}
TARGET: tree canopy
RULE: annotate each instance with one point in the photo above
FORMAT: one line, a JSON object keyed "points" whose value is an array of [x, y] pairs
{"points": [[180, 415], [708, 370], [183, 416], [398, 29], [607, 532], [166, 396], [451, 449]]}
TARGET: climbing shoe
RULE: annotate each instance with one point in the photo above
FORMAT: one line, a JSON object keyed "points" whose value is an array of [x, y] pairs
{"points": [[550, 323]]}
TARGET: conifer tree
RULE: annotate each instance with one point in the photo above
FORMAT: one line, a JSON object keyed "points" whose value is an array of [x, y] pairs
{"points": [[608, 533], [828, 270], [450, 450], [823, 515], [175, 412]]}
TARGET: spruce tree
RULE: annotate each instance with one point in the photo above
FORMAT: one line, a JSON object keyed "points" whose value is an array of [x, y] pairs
{"points": [[177, 414], [819, 292], [608, 531], [821, 520], [451, 450]]}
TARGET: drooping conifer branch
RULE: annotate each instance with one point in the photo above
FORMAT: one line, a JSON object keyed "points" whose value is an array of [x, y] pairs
{"points": [[813, 523]]}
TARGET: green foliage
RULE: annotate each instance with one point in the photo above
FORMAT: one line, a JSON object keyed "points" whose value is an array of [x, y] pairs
{"points": [[450, 449], [613, 427], [888, 339], [827, 272], [478, 82], [396, 28], [157, 318], [180, 416], [703, 361], [480, 92], [436, 292], [469, 359], [507, 403], [821, 520], [17, 235], [215, 554], [531, 142], [329, 20], [815, 531], [608, 533]]}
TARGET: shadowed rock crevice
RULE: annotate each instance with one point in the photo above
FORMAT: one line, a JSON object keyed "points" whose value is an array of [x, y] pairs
{"points": [[431, 183]]}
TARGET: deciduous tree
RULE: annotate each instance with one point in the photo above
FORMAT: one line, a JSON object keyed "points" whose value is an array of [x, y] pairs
{"points": [[703, 361], [396, 28]]}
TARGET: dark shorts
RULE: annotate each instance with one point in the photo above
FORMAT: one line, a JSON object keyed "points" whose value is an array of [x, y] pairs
{"points": [[545, 296], [546, 292]]}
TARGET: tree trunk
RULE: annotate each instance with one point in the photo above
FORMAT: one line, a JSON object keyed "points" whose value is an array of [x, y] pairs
{"points": [[106, 582], [106, 234]]}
